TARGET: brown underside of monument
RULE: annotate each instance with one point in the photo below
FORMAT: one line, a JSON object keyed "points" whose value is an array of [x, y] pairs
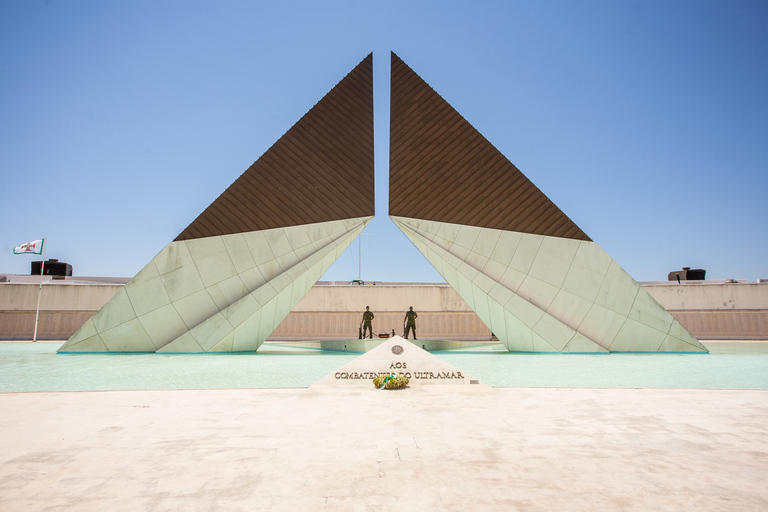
{"points": [[442, 169], [320, 170]]}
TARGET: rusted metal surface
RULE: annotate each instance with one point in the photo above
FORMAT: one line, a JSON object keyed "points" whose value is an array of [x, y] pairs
{"points": [[320, 170], [442, 169]]}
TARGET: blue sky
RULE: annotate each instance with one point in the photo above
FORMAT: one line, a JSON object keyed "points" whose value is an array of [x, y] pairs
{"points": [[645, 122]]}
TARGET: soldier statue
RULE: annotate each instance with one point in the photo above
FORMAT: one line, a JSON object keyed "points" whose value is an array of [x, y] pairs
{"points": [[410, 322], [367, 317]]}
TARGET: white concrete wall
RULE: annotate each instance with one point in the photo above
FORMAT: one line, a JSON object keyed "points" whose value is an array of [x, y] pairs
{"points": [[56, 296], [424, 297], [381, 298], [710, 296], [708, 310]]}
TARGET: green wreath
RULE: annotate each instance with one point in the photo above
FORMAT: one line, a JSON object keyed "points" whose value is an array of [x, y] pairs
{"points": [[390, 382]]}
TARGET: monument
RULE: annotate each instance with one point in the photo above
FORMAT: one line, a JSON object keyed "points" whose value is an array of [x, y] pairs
{"points": [[237, 270], [528, 271]]}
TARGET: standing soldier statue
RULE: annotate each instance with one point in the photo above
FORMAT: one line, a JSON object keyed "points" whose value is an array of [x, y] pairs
{"points": [[409, 322], [367, 317]]}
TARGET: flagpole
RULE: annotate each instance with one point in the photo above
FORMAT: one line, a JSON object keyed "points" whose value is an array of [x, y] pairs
{"points": [[39, 293]]}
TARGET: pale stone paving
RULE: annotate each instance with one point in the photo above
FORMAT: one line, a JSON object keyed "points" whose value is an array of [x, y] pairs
{"points": [[429, 448]]}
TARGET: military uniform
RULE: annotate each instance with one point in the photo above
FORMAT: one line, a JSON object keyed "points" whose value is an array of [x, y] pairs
{"points": [[367, 317], [410, 323]]}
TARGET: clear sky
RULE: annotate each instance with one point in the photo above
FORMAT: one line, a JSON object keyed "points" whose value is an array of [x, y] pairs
{"points": [[646, 122]]}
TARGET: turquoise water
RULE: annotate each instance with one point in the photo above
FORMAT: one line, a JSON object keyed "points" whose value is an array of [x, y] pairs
{"points": [[37, 367], [640, 370]]}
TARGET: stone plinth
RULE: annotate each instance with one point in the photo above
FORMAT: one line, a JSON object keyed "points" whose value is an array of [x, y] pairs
{"points": [[400, 356]]}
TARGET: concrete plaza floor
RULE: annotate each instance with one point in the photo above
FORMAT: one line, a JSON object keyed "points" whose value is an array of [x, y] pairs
{"points": [[436, 448]]}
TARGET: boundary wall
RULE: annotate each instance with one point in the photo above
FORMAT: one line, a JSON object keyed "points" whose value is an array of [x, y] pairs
{"points": [[710, 310]]}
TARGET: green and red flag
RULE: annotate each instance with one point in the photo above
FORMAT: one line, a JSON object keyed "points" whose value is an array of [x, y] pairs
{"points": [[34, 247]]}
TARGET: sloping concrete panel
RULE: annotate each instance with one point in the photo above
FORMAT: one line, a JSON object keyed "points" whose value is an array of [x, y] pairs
{"points": [[547, 294], [246, 320], [211, 312]]}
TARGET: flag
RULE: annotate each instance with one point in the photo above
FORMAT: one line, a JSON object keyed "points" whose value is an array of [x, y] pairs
{"points": [[34, 247]]}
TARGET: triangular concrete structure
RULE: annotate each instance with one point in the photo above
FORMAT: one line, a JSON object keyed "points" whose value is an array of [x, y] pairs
{"points": [[400, 356], [305, 177], [228, 280], [536, 280], [441, 168]]}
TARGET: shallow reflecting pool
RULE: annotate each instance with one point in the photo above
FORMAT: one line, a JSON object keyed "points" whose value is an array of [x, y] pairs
{"points": [[37, 367], [496, 367]]}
